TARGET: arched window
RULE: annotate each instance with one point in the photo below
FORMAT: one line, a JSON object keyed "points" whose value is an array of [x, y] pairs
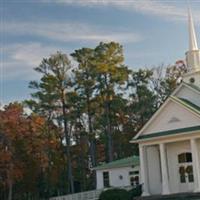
{"points": [[185, 157]]}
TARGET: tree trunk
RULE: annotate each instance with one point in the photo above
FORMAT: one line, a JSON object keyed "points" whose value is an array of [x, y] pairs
{"points": [[10, 184], [109, 132], [92, 141], [10, 191], [108, 119], [93, 151], [83, 173], [91, 136], [68, 153]]}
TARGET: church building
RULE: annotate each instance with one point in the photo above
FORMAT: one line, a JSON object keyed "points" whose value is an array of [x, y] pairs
{"points": [[169, 143]]}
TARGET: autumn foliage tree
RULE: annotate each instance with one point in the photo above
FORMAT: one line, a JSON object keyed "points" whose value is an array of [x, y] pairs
{"points": [[21, 143], [23, 151]]}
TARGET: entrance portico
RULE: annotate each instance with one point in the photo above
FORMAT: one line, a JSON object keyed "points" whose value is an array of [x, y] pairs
{"points": [[175, 161]]}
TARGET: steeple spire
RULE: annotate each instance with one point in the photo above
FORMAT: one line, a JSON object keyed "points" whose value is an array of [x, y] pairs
{"points": [[192, 35], [192, 55]]}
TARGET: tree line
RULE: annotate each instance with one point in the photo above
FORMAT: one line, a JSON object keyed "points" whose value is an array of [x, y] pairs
{"points": [[83, 111]]}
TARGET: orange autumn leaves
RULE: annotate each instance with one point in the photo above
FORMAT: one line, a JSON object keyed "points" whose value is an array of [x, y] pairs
{"points": [[23, 144]]}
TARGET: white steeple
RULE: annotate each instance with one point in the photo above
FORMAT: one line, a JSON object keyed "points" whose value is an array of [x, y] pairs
{"points": [[192, 35], [192, 55]]}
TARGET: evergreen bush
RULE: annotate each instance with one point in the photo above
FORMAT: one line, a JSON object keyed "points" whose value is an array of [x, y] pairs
{"points": [[115, 194], [135, 192]]}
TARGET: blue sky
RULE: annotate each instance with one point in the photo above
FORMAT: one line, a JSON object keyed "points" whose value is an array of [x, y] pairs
{"points": [[152, 32]]}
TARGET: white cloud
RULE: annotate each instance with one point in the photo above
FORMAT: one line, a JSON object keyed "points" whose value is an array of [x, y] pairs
{"points": [[68, 32], [170, 10], [20, 59]]}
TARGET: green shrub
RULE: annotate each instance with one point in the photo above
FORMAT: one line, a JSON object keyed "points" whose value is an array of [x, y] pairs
{"points": [[114, 194], [135, 192]]}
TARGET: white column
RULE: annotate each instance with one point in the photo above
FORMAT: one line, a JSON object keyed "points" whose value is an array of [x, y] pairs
{"points": [[143, 171], [164, 170], [196, 164]]}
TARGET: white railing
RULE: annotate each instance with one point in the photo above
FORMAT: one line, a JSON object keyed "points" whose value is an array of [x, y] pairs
{"points": [[89, 195]]}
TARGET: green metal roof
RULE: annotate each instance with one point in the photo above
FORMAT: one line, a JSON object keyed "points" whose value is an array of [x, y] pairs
{"points": [[191, 104], [193, 86], [187, 104], [169, 132], [125, 162]]}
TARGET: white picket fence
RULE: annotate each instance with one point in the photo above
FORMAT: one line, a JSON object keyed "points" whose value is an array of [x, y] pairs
{"points": [[89, 195]]}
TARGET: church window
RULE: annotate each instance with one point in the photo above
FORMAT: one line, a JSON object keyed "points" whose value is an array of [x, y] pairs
{"points": [[182, 174], [186, 169], [185, 158], [182, 178], [134, 181], [189, 171], [106, 181], [133, 172]]}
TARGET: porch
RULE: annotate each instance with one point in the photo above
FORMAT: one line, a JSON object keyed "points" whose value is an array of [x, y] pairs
{"points": [[170, 165]]}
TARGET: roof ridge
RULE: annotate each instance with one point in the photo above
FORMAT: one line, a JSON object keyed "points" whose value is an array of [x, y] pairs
{"points": [[125, 158], [127, 161]]}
